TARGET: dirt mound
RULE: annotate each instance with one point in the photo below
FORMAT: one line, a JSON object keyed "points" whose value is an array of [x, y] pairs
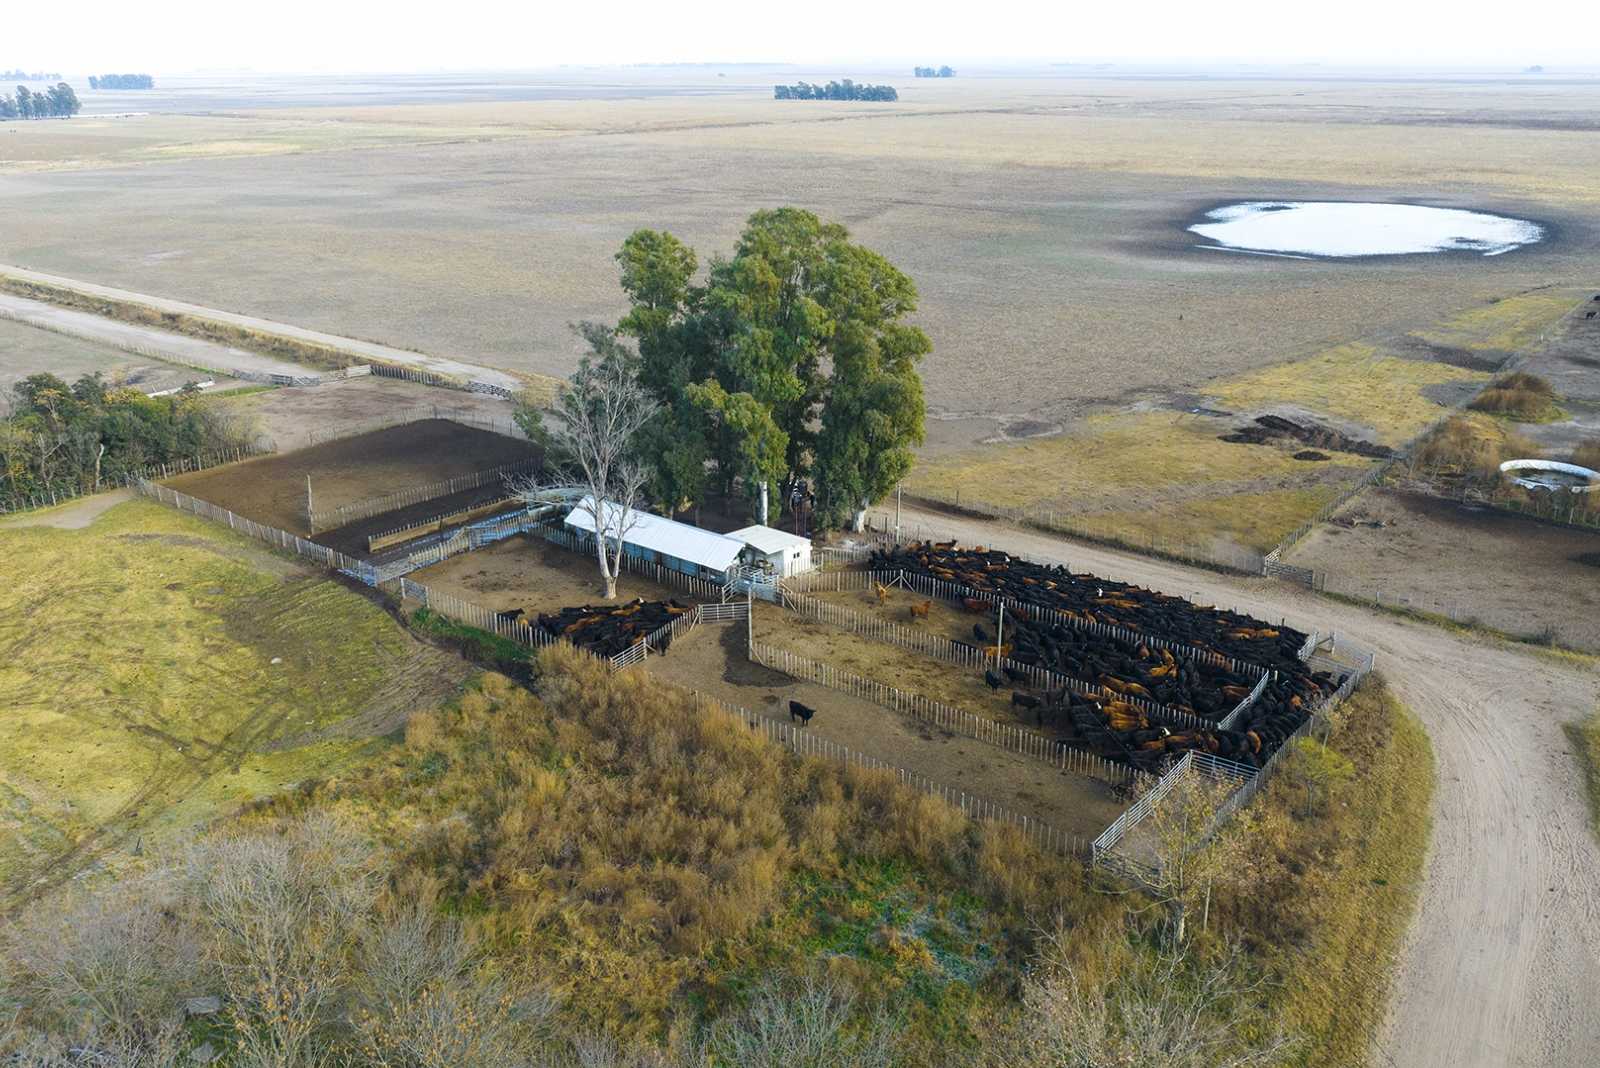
{"points": [[1269, 428]]}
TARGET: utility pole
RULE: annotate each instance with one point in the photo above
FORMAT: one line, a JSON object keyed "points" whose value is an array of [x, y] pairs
{"points": [[309, 512], [897, 513]]}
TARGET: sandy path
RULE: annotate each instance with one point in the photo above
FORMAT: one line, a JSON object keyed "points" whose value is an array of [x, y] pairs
{"points": [[1503, 959], [435, 364], [73, 516]]}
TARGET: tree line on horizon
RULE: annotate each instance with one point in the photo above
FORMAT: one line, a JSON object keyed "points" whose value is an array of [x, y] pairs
{"points": [[935, 72], [57, 102], [35, 76], [845, 90], [121, 81]]}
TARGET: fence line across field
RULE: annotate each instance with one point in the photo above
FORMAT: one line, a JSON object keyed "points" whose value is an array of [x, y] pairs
{"points": [[53, 495], [804, 743], [979, 658], [344, 514], [1003, 735]]}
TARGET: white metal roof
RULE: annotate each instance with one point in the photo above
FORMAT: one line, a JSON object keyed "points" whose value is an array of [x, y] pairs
{"points": [[666, 536], [770, 539]]}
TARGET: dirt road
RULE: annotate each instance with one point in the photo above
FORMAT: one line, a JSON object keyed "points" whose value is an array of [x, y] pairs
{"points": [[439, 365], [1504, 955], [144, 340]]}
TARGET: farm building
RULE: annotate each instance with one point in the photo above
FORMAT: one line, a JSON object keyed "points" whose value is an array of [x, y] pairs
{"points": [[667, 542], [785, 554]]}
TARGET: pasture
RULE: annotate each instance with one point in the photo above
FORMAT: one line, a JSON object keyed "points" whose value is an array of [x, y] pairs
{"points": [[26, 350], [272, 489], [157, 671]]}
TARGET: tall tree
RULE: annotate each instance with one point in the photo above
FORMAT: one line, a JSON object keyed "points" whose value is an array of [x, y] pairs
{"points": [[601, 416]]}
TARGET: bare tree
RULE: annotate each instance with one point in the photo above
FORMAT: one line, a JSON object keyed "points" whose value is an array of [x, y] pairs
{"points": [[1161, 1010], [601, 415]]}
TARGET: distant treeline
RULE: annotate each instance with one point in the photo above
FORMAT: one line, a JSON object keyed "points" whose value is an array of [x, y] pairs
{"points": [[935, 72], [57, 102], [845, 90], [121, 81], [23, 76]]}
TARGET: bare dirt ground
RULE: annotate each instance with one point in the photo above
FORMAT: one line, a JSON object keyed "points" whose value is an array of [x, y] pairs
{"points": [[530, 573], [74, 516], [711, 659], [1469, 563], [272, 489], [294, 416], [1500, 966]]}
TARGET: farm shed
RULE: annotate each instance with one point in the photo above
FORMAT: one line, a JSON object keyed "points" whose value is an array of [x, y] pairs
{"points": [[667, 542], [786, 554]]}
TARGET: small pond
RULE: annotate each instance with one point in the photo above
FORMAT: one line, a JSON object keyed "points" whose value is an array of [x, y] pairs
{"points": [[1310, 229]]}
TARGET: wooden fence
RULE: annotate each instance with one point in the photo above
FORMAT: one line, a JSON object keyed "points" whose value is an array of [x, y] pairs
{"points": [[580, 542], [53, 495], [805, 744], [344, 514], [1003, 735], [416, 413]]}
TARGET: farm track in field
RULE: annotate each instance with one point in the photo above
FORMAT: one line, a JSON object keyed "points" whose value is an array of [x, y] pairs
{"points": [[1498, 968]]}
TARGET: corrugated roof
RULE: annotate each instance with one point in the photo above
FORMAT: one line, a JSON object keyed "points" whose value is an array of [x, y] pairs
{"points": [[770, 539], [665, 536]]}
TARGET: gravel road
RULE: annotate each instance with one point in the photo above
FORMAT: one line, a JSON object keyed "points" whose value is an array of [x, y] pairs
{"points": [[439, 365], [1502, 964]]}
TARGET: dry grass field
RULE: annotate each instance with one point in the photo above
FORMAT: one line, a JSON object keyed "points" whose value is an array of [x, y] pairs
{"points": [[157, 671], [26, 350], [1043, 219], [272, 489]]}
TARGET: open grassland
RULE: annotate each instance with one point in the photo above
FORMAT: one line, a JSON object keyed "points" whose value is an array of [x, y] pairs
{"points": [[155, 671], [1073, 192]]}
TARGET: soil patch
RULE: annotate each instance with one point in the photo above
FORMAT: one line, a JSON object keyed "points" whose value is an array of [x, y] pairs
{"points": [[1270, 428], [272, 489]]}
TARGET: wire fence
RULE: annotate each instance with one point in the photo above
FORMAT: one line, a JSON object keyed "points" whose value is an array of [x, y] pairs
{"points": [[54, 494], [806, 744], [1002, 735], [345, 514]]}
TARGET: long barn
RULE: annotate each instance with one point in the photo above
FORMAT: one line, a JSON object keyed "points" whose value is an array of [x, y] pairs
{"points": [[655, 539]]}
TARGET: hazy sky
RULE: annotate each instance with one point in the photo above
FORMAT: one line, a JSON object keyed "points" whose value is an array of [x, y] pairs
{"points": [[170, 36]]}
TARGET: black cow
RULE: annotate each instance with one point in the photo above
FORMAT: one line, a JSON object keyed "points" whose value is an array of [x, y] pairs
{"points": [[1588, 315], [1014, 674], [1026, 700], [800, 712], [994, 681], [979, 633]]}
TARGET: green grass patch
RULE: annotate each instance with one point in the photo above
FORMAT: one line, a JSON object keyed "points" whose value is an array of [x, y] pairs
{"points": [[156, 670]]}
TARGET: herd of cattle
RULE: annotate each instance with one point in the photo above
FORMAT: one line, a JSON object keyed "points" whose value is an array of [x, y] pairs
{"points": [[604, 630], [1107, 722]]}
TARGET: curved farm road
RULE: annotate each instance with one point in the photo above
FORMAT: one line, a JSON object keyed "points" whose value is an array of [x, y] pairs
{"points": [[1503, 960], [439, 365]]}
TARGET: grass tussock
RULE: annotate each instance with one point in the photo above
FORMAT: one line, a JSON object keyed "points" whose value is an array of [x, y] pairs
{"points": [[1586, 741], [1587, 454], [1472, 446], [1341, 833], [1521, 396]]}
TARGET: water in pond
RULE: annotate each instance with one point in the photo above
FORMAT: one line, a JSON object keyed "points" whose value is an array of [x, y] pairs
{"points": [[1314, 228]]}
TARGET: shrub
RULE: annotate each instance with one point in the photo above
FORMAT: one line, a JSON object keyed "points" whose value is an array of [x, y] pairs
{"points": [[1517, 396]]}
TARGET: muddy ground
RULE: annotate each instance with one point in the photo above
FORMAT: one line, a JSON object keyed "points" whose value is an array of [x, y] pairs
{"points": [[1471, 564], [711, 659], [289, 416], [272, 489]]}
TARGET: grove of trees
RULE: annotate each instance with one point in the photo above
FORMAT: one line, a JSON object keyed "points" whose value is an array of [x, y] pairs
{"points": [[789, 363], [79, 437], [935, 72], [845, 90], [56, 102], [121, 81], [25, 76]]}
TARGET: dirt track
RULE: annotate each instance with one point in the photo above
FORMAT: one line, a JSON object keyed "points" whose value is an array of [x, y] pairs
{"points": [[1499, 967]]}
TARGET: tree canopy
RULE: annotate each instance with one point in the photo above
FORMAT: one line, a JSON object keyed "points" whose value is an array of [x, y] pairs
{"points": [[56, 102], [845, 90], [121, 81], [791, 359]]}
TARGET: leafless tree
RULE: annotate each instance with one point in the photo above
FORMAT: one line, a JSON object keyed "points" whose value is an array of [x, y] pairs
{"points": [[600, 417], [804, 1024], [1161, 1010]]}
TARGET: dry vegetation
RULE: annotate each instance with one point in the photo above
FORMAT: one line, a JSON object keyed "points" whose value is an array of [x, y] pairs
{"points": [[155, 670], [1520, 396]]}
